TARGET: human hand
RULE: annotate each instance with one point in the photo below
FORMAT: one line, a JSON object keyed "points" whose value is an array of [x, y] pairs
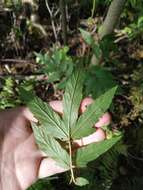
{"points": [[21, 161]]}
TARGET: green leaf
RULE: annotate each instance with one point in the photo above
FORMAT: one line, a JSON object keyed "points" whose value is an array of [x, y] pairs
{"points": [[87, 36], [42, 184], [107, 46], [92, 114], [50, 146], [101, 79], [48, 118], [54, 76], [93, 151], [80, 181], [72, 98], [96, 50]]}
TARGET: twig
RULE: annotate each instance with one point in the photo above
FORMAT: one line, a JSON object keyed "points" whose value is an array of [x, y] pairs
{"points": [[21, 77], [16, 61], [55, 14], [63, 20], [93, 8], [135, 157], [52, 21], [40, 28]]}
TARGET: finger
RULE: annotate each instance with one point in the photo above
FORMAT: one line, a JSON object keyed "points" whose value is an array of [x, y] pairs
{"points": [[49, 167], [104, 120], [97, 136], [85, 103], [28, 115], [57, 106]]}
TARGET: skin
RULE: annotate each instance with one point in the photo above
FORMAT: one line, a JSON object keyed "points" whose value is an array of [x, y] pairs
{"points": [[97, 136], [85, 103], [20, 159], [57, 106], [21, 162], [103, 121]]}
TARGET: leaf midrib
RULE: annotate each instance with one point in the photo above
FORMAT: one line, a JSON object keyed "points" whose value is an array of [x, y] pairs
{"points": [[55, 152], [72, 104], [88, 118]]}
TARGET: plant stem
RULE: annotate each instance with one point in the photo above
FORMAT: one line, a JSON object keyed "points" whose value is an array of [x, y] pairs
{"points": [[93, 8], [71, 164], [52, 19], [113, 15], [114, 12], [63, 20]]}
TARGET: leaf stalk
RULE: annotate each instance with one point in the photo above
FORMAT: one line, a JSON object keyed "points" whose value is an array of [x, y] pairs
{"points": [[71, 163]]}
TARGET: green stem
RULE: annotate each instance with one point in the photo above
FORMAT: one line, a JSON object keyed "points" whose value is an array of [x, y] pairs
{"points": [[71, 164], [93, 8]]}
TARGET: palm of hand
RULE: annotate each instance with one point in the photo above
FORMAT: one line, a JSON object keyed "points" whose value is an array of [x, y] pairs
{"points": [[19, 155], [21, 163]]}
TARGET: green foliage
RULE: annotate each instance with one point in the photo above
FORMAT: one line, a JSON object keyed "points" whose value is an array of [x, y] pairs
{"points": [[87, 37], [136, 92], [101, 49], [109, 165], [107, 47], [135, 29], [133, 16], [135, 4], [80, 181], [67, 128], [54, 133], [50, 146], [92, 114], [8, 92], [105, 170], [72, 99], [57, 65], [134, 183], [98, 81], [93, 151], [48, 118], [42, 184], [13, 3]]}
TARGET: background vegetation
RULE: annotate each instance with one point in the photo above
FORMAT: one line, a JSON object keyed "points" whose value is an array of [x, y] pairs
{"points": [[41, 42]]}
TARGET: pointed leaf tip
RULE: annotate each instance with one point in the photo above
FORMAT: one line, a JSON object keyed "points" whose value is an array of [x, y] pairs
{"points": [[92, 114], [72, 98]]}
